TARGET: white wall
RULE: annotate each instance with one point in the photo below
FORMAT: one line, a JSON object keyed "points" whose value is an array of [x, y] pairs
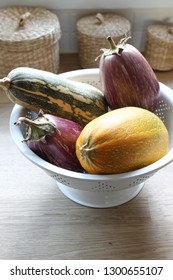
{"points": [[140, 14], [91, 4]]}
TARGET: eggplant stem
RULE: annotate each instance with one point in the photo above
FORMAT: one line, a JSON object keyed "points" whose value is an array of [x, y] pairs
{"points": [[112, 43], [24, 120], [38, 128], [116, 49]]}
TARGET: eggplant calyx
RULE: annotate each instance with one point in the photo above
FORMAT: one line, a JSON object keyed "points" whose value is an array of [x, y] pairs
{"points": [[116, 49], [38, 128]]}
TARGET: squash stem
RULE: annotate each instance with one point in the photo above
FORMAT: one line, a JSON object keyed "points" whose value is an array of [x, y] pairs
{"points": [[5, 83]]}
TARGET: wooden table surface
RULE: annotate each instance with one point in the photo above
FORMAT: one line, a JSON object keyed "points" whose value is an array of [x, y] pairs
{"points": [[38, 222]]}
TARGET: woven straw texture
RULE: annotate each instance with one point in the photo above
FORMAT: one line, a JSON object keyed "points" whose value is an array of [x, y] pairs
{"points": [[159, 47], [92, 31], [29, 37]]}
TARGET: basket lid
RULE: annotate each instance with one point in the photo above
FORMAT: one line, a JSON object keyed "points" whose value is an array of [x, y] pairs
{"points": [[28, 24], [161, 31], [101, 25]]}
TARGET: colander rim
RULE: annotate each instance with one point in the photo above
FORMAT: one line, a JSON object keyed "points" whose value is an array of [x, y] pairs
{"points": [[17, 137]]}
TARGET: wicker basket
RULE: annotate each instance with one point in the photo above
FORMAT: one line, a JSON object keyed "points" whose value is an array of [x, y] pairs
{"points": [[92, 31], [159, 47], [29, 37]]}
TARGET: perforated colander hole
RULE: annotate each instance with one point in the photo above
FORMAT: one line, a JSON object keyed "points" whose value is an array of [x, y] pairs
{"points": [[162, 108], [92, 83], [61, 180], [29, 115], [139, 180], [104, 187]]}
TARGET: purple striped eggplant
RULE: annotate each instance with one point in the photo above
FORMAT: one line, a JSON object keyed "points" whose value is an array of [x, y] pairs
{"points": [[126, 77], [53, 139]]}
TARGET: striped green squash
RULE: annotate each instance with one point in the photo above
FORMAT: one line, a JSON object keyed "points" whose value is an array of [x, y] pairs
{"points": [[37, 89]]}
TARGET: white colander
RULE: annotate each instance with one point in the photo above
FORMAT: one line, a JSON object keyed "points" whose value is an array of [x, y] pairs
{"points": [[98, 190]]}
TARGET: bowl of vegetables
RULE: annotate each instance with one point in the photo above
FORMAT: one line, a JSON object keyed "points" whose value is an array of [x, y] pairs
{"points": [[96, 190], [100, 133]]}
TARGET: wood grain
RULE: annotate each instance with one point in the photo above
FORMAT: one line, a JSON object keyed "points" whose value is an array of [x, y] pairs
{"points": [[38, 222]]}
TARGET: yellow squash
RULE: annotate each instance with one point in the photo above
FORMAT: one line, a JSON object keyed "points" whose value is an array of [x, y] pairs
{"points": [[122, 140]]}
